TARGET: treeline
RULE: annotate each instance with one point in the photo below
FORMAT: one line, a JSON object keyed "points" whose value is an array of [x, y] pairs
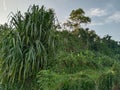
{"points": [[36, 55], [85, 39]]}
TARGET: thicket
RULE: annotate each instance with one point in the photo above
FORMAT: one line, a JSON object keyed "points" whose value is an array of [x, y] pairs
{"points": [[35, 55]]}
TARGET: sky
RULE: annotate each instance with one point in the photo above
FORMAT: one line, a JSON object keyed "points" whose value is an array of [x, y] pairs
{"points": [[105, 14]]}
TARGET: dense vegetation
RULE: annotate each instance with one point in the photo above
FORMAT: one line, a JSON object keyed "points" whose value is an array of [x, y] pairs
{"points": [[36, 55]]}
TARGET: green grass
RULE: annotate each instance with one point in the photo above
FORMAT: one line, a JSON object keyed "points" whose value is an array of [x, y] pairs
{"points": [[35, 56]]}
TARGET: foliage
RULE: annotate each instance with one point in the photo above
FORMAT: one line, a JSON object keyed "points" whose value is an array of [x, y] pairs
{"points": [[77, 17], [52, 81], [109, 81], [25, 48], [73, 71], [36, 56]]}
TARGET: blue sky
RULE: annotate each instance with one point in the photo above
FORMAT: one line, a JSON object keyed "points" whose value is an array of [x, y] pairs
{"points": [[105, 14]]}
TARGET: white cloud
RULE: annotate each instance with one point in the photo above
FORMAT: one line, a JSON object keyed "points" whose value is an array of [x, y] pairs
{"points": [[4, 5], [93, 24], [96, 24], [114, 18], [3, 19], [97, 12]]}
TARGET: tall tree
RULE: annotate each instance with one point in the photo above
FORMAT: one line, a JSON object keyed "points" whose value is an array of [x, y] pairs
{"points": [[77, 17]]}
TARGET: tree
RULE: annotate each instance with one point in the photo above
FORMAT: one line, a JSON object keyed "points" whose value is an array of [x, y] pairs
{"points": [[77, 17]]}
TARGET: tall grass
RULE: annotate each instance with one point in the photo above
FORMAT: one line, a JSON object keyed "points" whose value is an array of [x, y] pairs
{"points": [[29, 59], [25, 49]]}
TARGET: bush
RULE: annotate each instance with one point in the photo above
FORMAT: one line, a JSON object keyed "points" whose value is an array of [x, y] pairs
{"points": [[49, 80], [109, 81]]}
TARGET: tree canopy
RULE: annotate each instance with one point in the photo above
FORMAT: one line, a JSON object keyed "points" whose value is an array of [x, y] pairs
{"points": [[77, 17]]}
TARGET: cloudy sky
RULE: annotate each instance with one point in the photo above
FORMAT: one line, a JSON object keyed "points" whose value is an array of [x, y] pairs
{"points": [[105, 14]]}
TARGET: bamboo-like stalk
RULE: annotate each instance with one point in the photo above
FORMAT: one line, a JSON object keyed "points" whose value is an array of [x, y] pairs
{"points": [[26, 47]]}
